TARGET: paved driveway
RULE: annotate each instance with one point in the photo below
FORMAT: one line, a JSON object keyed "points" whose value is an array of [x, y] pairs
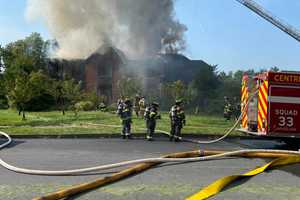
{"points": [[165, 182]]}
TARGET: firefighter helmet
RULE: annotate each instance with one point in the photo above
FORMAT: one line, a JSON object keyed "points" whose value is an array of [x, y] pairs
{"points": [[127, 101], [155, 104]]}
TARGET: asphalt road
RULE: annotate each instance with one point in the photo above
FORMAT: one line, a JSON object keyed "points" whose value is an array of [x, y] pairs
{"points": [[165, 182]]}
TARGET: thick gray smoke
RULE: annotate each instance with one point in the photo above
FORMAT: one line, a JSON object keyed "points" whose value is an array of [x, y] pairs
{"points": [[137, 27]]}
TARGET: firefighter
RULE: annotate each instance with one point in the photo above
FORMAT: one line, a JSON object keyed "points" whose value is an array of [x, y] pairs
{"points": [[177, 117], [142, 106], [125, 113], [120, 100], [227, 109], [236, 108], [151, 115], [136, 105], [102, 107]]}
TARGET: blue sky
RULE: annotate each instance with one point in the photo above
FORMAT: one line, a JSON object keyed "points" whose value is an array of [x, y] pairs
{"points": [[219, 32]]}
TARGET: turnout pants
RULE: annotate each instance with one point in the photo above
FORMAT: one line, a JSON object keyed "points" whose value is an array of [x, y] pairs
{"points": [[176, 129], [126, 129], [151, 124]]}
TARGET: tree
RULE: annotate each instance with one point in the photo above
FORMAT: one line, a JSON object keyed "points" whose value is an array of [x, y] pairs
{"points": [[3, 98], [57, 91], [94, 98], [24, 61], [1, 60], [129, 87], [205, 84], [27, 55], [32, 47], [17, 83], [20, 94], [25, 88], [175, 90], [37, 49], [72, 93], [275, 69]]}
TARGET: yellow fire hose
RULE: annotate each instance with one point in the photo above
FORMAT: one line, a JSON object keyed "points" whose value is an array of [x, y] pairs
{"points": [[143, 164], [110, 179], [218, 185], [284, 159]]}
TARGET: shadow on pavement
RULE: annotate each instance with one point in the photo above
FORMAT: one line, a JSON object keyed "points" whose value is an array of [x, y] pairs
{"points": [[292, 169], [12, 144]]}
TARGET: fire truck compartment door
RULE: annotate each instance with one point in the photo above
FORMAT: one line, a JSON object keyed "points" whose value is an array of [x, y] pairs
{"points": [[284, 111]]}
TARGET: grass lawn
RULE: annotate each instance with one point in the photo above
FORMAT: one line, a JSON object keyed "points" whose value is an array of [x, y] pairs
{"points": [[54, 123]]}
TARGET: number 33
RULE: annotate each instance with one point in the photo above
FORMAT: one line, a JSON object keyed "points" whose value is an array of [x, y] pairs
{"points": [[286, 121]]}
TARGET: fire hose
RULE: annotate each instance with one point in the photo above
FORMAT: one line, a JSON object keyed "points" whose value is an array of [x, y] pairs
{"points": [[143, 164], [137, 161]]}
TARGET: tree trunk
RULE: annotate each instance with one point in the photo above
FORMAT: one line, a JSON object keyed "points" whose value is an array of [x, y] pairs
{"points": [[63, 106], [23, 116], [75, 113]]}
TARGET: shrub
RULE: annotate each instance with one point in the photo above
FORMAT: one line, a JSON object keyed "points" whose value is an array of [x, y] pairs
{"points": [[3, 103], [40, 103], [112, 107], [84, 106]]}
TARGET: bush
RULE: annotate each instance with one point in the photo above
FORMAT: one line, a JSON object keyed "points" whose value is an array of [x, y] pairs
{"points": [[84, 106], [112, 107], [94, 98], [40, 103], [3, 103]]}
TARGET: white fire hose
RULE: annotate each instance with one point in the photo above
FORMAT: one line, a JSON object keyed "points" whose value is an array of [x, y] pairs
{"points": [[125, 163], [147, 160]]}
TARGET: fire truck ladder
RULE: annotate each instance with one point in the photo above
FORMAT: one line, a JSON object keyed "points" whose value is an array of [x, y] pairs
{"points": [[285, 27]]}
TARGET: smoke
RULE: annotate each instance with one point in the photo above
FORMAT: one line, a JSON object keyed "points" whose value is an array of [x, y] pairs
{"points": [[137, 27]]}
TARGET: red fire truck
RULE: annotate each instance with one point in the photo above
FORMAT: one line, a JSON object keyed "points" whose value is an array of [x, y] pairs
{"points": [[270, 104]]}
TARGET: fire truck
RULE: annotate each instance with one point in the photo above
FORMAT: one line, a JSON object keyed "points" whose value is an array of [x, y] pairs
{"points": [[270, 104]]}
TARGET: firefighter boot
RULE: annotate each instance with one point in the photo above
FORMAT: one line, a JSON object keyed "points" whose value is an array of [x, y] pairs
{"points": [[123, 133]]}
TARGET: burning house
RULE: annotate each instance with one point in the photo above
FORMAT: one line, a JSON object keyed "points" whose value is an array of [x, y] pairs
{"points": [[142, 29], [102, 71]]}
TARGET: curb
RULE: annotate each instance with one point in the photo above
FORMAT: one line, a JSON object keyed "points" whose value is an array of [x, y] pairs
{"points": [[136, 135]]}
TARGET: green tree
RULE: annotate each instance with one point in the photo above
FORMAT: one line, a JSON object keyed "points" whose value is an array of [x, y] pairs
{"points": [[27, 55], [275, 69], [3, 99], [129, 87], [57, 91], [204, 87], [32, 48], [24, 60], [175, 90], [25, 88], [94, 98], [72, 93]]}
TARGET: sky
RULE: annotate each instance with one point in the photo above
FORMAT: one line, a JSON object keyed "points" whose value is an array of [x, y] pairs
{"points": [[220, 32]]}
